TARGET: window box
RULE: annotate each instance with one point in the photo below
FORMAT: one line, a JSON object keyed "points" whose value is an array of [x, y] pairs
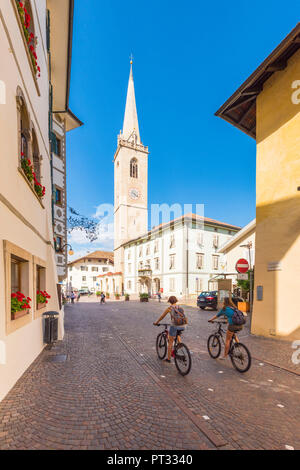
{"points": [[16, 315], [29, 41]]}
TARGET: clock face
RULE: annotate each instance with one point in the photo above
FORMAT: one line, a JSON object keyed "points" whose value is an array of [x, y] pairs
{"points": [[134, 193]]}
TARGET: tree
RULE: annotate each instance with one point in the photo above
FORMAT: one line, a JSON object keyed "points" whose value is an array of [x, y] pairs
{"points": [[81, 222]]}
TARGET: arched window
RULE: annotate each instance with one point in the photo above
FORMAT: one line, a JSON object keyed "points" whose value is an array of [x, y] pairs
{"points": [[36, 157], [24, 125], [133, 168]]}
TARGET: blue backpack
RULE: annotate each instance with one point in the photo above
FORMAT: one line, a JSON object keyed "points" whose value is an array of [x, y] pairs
{"points": [[238, 318]]}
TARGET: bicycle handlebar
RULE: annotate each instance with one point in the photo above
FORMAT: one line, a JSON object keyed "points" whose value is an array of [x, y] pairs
{"points": [[162, 324], [217, 321]]}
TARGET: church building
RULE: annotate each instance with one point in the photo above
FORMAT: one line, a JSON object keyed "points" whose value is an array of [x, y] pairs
{"points": [[179, 257]]}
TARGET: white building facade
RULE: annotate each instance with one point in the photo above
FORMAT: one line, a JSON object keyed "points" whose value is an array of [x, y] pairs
{"points": [[178, 258], [83, 273]]}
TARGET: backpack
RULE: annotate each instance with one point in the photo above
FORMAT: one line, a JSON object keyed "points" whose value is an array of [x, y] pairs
{"points": [[178, 316], [238, 318]]}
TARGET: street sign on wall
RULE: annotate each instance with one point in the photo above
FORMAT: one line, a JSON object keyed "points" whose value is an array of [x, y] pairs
{"points": [[242, 265], [242, 276]]}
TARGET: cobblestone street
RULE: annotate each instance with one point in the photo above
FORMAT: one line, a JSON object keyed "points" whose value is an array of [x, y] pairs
{"points": [[103, 387]]}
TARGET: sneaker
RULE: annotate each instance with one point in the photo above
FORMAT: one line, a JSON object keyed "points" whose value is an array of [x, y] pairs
{"points": [[167, 360]]}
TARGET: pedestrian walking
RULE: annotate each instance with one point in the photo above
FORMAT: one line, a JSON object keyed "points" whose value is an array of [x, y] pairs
{"points": [[159, 296], [72, 297], [78, 296]]}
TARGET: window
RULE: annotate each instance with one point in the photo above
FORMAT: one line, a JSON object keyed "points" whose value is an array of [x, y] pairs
{"points": [[216, 241], [172, 262], [24, 126], [129, 268], [58, 244], [156, 263], [94, 278], [133, 168], [140, 251], [172, 241], [58, 196], [84, 278], [129, 285], [156, 246], [129, 254], [147, 250], [200, 260], [172, 284], [58, 147], [70, 268], [36, 157], [18, 278], [94, 269], [84, 268], [70, 278], [200, 239], [104, 270], [40, 281], [141, 265], [215, 262]]}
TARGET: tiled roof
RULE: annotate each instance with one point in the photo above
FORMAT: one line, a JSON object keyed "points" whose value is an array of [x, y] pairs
{"points": [[95, 255], [110, 274]]}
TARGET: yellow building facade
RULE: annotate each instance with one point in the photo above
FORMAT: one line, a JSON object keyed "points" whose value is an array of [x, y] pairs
{"points": [[266, 107]]}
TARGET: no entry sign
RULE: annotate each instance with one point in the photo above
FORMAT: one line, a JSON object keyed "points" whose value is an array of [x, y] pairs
{"points": [[242, 266]]}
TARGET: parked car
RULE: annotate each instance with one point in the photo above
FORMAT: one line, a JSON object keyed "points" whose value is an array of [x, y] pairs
{"points": [[83, 292], [210, 299]]}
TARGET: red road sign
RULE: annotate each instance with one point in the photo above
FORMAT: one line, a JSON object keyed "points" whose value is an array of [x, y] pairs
{"points": [[242, 265]]}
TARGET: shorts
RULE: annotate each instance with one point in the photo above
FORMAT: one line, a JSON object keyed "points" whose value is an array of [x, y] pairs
{"points": [[235, 328], [173, 330]]}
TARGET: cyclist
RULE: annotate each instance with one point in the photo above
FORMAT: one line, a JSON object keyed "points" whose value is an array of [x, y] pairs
{"points": [[173, 328], [228, 310]]}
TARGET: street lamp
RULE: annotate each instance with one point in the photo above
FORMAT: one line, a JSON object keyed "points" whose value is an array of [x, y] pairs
{"points": [[249, 246]]}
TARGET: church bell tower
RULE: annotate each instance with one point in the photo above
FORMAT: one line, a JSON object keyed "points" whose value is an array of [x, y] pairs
{"points": [[130, 181]]}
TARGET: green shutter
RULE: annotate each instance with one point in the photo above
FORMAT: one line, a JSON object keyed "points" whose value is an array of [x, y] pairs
{"points": [[48, 30]]}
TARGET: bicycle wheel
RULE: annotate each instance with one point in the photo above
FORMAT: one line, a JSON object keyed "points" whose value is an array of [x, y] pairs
{"points": [[183, 360], [214, 346], [240, 357], [161, 346]]}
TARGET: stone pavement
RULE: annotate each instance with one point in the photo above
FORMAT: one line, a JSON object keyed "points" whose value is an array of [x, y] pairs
{"points": [[103, 387]]}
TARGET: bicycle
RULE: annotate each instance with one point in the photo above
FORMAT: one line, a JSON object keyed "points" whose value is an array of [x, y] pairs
{"points": [[239, 354], [180, 352]]}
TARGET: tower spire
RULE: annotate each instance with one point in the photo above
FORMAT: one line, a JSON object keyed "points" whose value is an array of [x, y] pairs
{"points": [[131, 124]]}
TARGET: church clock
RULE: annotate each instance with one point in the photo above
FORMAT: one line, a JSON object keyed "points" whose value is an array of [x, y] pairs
{"points": [[134, 193]]}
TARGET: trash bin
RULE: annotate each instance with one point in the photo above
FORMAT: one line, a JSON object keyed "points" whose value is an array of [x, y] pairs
{"points": [[50, 327]]}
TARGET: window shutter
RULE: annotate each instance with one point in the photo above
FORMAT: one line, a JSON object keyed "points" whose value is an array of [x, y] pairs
{"points": [[48, 30]]}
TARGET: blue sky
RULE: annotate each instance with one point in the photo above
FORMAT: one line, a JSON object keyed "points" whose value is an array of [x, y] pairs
{"points": [[189, 57]]}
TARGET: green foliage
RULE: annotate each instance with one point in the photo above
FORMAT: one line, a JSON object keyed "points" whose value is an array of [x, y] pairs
{"points": [[144, 295]]}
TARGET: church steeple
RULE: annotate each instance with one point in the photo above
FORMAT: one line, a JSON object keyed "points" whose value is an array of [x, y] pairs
{"points": [[131, 124]]}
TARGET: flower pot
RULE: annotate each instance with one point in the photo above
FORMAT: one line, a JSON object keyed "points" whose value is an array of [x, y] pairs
{"points": [[19, 314], [117, 298], [126, 298], [244, 306], [144, 299], [41, 305]]}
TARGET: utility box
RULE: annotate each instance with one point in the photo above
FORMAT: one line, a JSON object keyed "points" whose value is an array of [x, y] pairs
{"points": [[50, 327]]}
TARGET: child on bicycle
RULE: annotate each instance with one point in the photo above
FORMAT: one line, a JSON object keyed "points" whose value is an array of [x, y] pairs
{"points": [[228, 310], [174, 328]]}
